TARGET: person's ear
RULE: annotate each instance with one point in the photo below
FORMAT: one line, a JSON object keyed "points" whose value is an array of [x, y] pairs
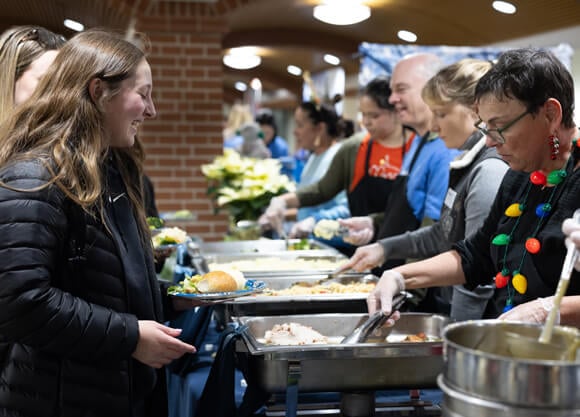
{"points": [[96, 89], [553, 111]]}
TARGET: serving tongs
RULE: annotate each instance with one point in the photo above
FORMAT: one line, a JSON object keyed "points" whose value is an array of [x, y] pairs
{"points": [[197, 259], [374, 321]]}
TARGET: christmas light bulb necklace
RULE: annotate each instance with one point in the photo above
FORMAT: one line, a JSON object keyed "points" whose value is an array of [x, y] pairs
{"points": [[515, 280]]}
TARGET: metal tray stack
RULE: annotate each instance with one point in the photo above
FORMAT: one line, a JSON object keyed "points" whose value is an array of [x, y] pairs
{"points": [[373, 365]]}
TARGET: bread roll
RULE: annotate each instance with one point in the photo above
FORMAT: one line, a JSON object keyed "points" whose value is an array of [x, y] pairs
{"points": [[237, 275], [217, 281]]}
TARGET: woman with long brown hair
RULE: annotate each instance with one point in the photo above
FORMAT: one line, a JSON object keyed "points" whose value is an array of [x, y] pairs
{"points": [[81, 307]]}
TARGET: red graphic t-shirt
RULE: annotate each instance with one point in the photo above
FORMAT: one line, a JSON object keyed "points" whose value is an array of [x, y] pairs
{"points": [[384, 162]]}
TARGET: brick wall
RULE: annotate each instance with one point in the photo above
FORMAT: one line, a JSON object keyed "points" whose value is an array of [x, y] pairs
{"points": [[185, 57]]}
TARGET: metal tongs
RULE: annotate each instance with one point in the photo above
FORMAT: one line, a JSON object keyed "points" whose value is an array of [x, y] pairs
{"points": [[362, 332], [197, 259]]}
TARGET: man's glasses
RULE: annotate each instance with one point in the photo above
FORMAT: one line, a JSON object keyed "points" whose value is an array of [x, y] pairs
{"points": [[497, 134]]}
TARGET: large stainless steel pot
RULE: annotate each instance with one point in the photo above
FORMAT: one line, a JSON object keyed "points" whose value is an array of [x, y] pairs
{"points": [[482, 378]]}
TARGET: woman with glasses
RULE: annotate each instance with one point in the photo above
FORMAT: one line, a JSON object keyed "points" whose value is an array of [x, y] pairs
{"points": [[26, 52], [525, 104], [475, 176]]}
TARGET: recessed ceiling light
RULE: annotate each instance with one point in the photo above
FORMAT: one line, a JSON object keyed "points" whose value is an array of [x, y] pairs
{"points": [[407, 36], [504, 7], [242, 58], [240, 86], [342, 12], [256, 84], [74, 25], [331, 59], [294, 70]]}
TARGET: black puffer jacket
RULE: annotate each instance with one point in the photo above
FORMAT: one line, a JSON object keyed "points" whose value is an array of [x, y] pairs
{"points": [[67, 338]]}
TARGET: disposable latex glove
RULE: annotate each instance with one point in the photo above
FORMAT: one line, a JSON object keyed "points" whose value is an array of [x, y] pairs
{"points": [[572, 231], [303, 228], [366, 257], [381, 298], [360, 230], [273, 217], [535, 311]]}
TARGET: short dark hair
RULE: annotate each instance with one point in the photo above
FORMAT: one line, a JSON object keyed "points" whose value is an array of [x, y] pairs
{"points": [[266, 117], [531, 76], [379, 89], [323, 113]]}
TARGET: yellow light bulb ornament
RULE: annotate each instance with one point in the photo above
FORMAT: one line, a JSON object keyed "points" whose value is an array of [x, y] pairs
{"points": [[520, 283], [514, 210]]}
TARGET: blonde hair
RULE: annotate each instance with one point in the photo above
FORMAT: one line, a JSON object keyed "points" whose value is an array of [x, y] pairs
{"points": [[455, 83], [19, 47], [63, 127], [238, 116]]}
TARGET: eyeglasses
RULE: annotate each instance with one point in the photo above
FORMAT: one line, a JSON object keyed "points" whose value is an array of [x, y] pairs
{"points": [[496, 134]]}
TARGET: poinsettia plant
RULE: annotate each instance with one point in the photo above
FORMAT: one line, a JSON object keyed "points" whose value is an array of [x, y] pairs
{"points": [[244, 186]]}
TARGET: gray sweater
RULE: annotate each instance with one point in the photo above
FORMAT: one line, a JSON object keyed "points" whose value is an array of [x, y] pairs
{"points": [[475, 177]]}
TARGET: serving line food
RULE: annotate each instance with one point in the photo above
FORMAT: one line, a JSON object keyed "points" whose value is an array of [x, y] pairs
{"points": [[375, 364], [269, 246], [283, 297]]}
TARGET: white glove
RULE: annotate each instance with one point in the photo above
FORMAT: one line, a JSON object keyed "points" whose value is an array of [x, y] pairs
{"points": [[360, 230], [366, 257], [390, 284], [535, 311], [303, 228], [571, 229], [274, 215]]}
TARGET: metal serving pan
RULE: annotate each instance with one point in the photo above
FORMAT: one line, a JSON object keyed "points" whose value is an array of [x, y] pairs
{"points": [[375, 364], [266, 305], [263, 266], [268, 246]]}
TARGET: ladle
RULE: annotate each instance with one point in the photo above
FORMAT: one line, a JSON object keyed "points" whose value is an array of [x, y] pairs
{"points": [[544, 348]]}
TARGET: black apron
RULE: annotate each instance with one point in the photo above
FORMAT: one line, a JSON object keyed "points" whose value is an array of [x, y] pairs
{"points": [[399, 217], [371, 194]]}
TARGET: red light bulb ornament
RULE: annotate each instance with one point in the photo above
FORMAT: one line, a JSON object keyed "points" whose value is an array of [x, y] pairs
{"points": [[538, 178], [533, 245], [502, 278]]}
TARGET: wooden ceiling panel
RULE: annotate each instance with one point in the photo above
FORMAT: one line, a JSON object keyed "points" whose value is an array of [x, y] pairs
{"points": [[287, 32]]}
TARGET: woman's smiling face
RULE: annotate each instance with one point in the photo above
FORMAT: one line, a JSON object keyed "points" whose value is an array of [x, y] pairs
{"points": [[127, 109]]}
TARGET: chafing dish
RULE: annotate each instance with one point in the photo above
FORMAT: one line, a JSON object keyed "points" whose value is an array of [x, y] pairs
{"points": [[268, 246], [263, 266], [375, 364], [265, 305]]}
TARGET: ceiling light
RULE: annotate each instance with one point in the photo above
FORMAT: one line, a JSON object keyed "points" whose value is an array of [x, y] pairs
{"points": [[294, 70], [240, 86], [407, 36], [504, 7], [74, 25], [342, 12], [331, 59], [242, 58], [256, 84]]}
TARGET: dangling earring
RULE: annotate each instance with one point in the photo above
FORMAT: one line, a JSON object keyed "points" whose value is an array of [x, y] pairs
{"points": [[317, 141], [554, 143]]}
